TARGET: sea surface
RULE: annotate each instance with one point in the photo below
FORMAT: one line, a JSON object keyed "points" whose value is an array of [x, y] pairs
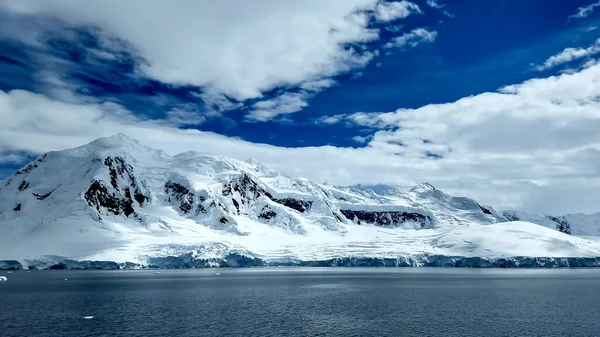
{"points": [[302, 302]]}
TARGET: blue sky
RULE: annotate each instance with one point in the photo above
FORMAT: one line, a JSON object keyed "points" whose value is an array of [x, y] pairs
{"points": [[289, 75]]}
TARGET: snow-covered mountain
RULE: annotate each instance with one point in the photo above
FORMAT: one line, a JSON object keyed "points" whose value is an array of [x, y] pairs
{"points": [[575, 224], [117, 200]]}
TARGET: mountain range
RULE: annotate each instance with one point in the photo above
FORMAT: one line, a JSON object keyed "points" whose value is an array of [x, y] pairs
{"points": [[116, 203]]}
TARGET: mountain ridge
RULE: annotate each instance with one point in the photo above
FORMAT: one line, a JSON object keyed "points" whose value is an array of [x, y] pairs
{"points": [[115, 197]]}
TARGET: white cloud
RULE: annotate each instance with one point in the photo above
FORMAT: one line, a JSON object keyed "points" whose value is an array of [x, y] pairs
{"points": [[360, 139], [285, 103], [434, 4], [216, 102], [317, 85], [11, 157], [389, 11], [568, 55], [184, 115], [584, 11], [237, 48], [413, 38], [330, 120], [532, 145]]}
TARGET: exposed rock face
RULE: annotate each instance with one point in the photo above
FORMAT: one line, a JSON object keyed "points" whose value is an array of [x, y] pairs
{"points": [[120, 199], [299, 205], [99, 197], [391, 218], [42, 196], [118, 168], [244, 191], [562, 225], [267, 213], [510, 216], [485, 210], [23, 185], [181, 195]]}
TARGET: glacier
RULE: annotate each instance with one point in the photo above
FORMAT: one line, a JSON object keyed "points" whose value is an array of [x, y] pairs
{"points": [[115, 203]]}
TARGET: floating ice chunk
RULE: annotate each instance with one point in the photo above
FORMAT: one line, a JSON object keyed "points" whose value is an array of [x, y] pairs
{"points": [[88, 317], [217, 273], [3, 278], [156, 272]]}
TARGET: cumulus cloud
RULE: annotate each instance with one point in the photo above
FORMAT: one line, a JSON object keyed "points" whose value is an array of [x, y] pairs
{"points": [[237, 48], [184, 115], [568, 55], [412, 38], [361, 139], [330, 120], [435, 4], [389, 11], [11, 157], [584, 11], [285, 103], [532, 145]]}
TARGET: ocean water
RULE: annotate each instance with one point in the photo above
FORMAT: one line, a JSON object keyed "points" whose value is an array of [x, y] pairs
{"points": [[302, 302]]}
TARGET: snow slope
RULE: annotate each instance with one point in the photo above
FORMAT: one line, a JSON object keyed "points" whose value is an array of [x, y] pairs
{"points": [[117, 200], [575, 224]]}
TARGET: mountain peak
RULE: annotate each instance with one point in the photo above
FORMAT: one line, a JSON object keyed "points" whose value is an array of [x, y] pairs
{"points": [[118, 139], [424, 187], [118, 144]]}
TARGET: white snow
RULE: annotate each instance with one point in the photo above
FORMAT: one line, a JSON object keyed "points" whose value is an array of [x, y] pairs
{"points": [[64, 225]]}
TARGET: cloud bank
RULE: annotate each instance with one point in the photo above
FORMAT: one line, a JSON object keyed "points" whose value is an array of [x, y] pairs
{"points": [[532, 145]]}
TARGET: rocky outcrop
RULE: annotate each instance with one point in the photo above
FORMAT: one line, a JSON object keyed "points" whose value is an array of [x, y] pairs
{"points": [[562, 225], [23, 185], [299, 205], [386, 218], [99, 197], [181, 195], [118, 168]]}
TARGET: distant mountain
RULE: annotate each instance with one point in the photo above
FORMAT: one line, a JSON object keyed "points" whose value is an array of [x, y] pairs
{"points": [[117, 200], [575, 224]]}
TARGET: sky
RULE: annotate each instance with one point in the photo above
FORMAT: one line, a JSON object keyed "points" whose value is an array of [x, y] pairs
{"points": [[497, 100]]}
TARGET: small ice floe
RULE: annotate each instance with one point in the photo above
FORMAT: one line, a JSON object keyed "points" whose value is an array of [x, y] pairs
{"points": [[217, 273], [66, 279], [88, 317], [156, 272], [3, 278], [9, 272]]}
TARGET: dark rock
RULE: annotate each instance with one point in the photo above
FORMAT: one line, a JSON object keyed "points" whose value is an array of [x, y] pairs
{"points": [[485, 210], [237, 205], [42, 196], [27, 169], [23, 185], [139, 197], [223, 220], [510, 216], [98, 196], [10, 265], [299, 205], [17, 208], [562, 225], [119, 168], [181, 194], [385, 218], [267, 213]]}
